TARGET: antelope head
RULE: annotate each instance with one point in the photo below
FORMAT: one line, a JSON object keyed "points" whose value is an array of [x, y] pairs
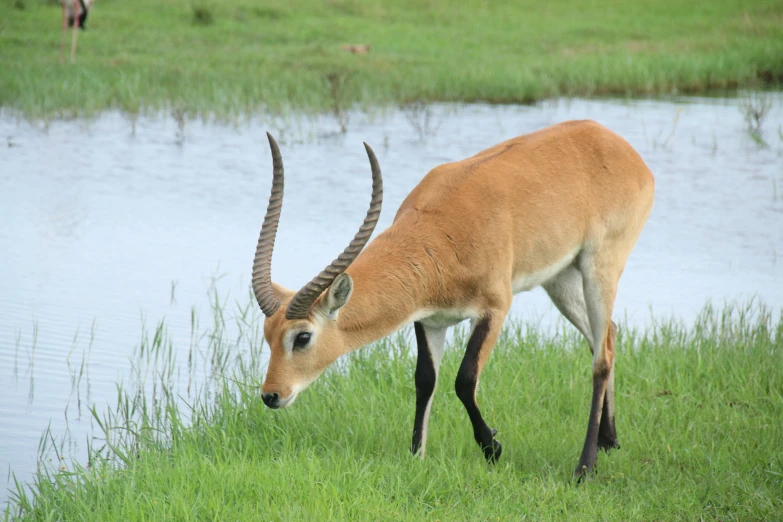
{"points": [[301, 327]]}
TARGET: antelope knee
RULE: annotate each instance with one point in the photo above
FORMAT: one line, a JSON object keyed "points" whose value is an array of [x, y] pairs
{"points": [[465, 385]]}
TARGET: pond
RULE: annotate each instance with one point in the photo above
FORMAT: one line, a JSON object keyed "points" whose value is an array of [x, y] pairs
{"points": [[112, 223]]}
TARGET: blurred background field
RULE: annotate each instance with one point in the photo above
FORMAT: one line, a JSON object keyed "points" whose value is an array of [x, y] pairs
{"points": [[225, 58]]}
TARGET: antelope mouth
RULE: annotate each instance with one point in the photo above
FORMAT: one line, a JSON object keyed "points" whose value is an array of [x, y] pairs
{"points": [[287, 401]]}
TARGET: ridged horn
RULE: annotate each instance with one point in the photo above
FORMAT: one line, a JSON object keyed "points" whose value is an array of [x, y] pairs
{"points": [[304, 298], [262, 263]]}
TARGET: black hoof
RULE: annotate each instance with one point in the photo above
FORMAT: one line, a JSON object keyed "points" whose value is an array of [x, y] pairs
{"points": [[492, 453], [583, 473]]}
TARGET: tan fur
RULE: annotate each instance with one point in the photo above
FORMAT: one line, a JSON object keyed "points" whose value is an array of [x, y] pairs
{"points": [[472, 227], [356, 48]]}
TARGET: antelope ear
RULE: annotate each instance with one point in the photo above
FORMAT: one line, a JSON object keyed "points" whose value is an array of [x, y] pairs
{"points": [[336, 296], [282, 293]]}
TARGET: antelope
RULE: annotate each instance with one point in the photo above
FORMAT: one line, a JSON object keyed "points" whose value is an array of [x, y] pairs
{"points": [[560, 208]]}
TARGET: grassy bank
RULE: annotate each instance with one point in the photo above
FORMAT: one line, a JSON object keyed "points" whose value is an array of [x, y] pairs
{"points": [[229, 58], [699, 419]]}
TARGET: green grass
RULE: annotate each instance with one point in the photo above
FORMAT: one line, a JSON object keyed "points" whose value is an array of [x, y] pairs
{"points": [[699, 415], [235, 57]]}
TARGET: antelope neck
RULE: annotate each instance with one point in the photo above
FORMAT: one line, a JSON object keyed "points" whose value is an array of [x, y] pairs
{"points": [[387, 292]]}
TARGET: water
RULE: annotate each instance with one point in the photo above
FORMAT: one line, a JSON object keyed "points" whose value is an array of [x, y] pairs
{"points": [[108, 224]]}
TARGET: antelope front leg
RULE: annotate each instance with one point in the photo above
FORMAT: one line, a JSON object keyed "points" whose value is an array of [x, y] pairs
{"points": [[482, 340], [430, 342]]}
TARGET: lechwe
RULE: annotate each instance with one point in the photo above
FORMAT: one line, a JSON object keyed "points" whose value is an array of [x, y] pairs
{"points": [[559, 208]]}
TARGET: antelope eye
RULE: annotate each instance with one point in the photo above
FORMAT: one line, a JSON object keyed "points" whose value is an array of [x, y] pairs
{"points": [[302, 339]]}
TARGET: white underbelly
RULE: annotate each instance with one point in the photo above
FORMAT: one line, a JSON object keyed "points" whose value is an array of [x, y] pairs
{"points": [[525, 282], [445, 317]]}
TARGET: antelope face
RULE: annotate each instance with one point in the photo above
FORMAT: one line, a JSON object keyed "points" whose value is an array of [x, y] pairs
{"points": [[301, 328], [303, 348]]}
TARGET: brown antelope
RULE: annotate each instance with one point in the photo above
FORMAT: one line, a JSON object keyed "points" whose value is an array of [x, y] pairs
{"points": [[559, 208]]}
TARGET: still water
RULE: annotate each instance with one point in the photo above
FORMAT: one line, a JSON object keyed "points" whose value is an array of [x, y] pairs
{"points": [[109, 224]]}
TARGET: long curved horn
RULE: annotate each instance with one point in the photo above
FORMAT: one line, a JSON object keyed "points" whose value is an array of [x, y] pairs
{"points": [[262, 263], [304, 298]]}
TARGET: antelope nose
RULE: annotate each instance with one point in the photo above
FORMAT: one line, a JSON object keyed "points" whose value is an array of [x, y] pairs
{"points": [[272, 400]]}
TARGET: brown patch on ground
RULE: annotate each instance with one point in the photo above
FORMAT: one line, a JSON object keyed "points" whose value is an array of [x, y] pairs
{"points": [[582, 49], [356, 48]]}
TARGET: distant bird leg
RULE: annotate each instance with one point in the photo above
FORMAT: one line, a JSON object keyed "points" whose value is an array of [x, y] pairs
{"points": [[62, 33], [76, 12]]}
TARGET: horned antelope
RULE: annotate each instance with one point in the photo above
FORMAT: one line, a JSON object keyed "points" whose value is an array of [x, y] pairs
{"points": [[559, 208]]}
